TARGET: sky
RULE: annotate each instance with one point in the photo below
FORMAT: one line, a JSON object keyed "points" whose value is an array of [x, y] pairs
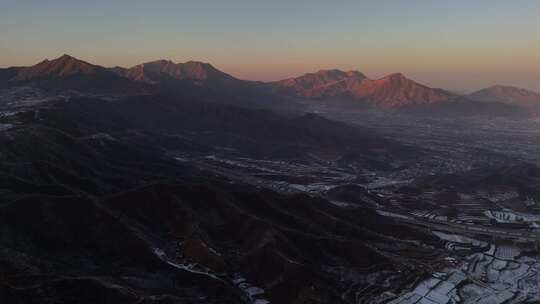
{"points": [[460, 45]]}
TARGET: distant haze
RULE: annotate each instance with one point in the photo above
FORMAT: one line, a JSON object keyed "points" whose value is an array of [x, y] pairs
{"points": [[458, 45]]}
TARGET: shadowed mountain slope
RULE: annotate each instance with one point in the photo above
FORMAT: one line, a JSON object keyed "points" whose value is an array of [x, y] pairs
{"points": [[96, 209]]}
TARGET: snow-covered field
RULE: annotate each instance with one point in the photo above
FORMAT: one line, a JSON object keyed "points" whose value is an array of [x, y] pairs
{"points": [[499, 274], [513, 217]]}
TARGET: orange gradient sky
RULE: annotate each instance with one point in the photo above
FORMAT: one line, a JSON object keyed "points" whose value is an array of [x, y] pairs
{"points": [[460, 46]]}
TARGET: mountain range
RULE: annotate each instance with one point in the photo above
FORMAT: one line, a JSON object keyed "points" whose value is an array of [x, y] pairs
{"points": [[392, 91], [200, 79]]}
